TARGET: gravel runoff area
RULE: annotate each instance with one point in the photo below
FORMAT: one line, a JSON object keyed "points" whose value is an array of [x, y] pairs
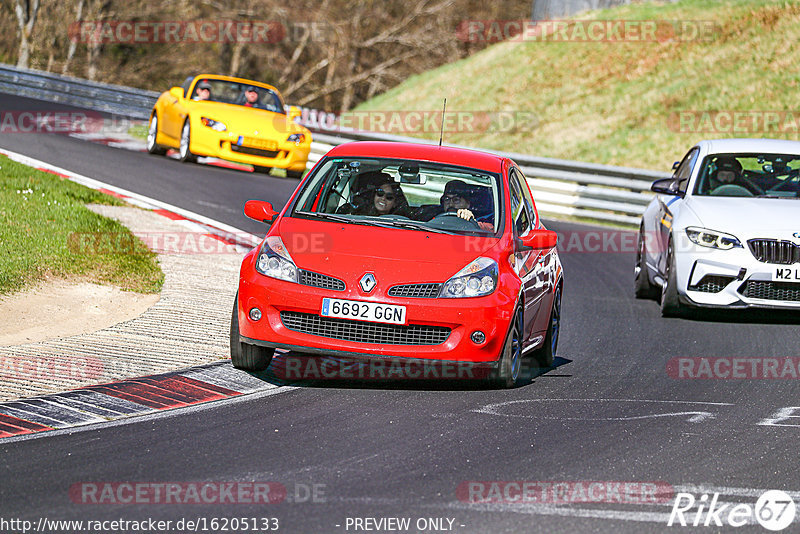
{"points": [[188, 326]]}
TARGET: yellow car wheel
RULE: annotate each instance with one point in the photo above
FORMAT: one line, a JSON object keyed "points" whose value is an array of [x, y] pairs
{"points": [[152, 135], [186, 155]]}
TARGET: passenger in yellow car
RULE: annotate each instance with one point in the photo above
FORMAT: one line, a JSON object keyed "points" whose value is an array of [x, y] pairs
{"points": [[203, 91], [251, 97]]}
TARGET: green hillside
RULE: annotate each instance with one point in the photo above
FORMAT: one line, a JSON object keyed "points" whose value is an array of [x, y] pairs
{"points": [[621, 102]]}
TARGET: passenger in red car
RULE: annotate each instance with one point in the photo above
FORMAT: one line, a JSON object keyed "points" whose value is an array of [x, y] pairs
{"points": [[377, 194]]}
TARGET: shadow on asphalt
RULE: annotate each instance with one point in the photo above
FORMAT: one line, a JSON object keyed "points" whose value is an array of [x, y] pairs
{"points": [[315, 371]]}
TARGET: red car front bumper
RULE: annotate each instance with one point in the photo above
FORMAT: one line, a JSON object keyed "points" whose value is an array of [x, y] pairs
{"points": [[301, 304]]}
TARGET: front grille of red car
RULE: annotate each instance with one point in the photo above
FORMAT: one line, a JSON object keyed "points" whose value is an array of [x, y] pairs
{"points": [[422, 291], [364, 332], [765, 290], [255, 151], [310, 278]]}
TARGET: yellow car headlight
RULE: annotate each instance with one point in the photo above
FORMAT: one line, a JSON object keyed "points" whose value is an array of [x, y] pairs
{"points": [[214, 125]]}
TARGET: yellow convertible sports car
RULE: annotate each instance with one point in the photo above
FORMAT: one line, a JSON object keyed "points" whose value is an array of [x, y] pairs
{"points": [[232, 119]]}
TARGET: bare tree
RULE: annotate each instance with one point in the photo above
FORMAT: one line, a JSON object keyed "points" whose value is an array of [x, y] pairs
{"points": [[73, 43], [26, 11], [334, 54]]}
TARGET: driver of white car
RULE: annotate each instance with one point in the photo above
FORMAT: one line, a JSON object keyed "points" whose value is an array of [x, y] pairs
{"points": [[729, 173]]}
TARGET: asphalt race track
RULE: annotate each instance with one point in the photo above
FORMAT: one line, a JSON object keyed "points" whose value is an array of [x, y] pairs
{"points": [[609, 411]]}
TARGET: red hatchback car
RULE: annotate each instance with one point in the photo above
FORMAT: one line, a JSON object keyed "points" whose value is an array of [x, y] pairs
{"points": [[403, 251]]}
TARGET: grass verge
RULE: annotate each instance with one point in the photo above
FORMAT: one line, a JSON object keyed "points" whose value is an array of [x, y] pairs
{"points": [[40, 215]]}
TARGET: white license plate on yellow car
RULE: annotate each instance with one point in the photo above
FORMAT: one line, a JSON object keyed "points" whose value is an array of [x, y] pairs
{"points": [[786, 274], [363, 311], [264, 144]]}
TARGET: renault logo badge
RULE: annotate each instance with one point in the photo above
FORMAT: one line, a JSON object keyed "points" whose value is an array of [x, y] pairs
{"points": [[367, 282]]}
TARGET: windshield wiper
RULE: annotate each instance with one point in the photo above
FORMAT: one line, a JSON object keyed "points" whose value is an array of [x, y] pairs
{"points": [[373, 221], [320, 215], [416, 226], [330, 217]]}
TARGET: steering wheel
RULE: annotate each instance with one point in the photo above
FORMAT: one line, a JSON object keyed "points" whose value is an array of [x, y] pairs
{"points": [[448, 215], [731, 190]]}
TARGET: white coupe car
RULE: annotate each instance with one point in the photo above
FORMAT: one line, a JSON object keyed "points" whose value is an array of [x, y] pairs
{"points": [[724, 231]]}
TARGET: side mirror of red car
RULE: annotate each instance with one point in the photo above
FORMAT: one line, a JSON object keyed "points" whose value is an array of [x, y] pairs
{"points": [[540, 239], [260, 211]]}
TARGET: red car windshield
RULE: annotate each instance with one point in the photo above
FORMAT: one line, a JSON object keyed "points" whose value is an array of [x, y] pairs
{"points": [[408, 194]]}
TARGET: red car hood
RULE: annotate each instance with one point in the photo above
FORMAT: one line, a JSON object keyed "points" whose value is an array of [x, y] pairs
{"points": [[395, 255]]}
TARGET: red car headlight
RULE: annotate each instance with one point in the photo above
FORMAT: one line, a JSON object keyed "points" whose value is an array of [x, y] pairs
{"points": [[477, 279], [274, 260]]}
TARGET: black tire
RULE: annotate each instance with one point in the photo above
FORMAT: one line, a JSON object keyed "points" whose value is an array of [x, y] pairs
{"points": [[261, 170], [294, 174], [243, 355], [545, 355], [670, 304], [184, 152], [508, 373], [152, 135], [642, 287]]}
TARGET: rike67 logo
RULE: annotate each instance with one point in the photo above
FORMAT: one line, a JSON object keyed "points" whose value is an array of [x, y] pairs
{"points": [[774, 510]]}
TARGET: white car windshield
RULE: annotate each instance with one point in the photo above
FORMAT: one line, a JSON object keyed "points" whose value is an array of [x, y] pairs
{"points": [[410, 194], [750, 175]]}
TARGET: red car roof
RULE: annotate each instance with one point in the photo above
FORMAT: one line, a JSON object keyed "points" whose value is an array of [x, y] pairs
{"points": [[441, 154]]}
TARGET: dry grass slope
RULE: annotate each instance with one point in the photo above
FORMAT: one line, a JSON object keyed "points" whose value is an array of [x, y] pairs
{"points": [[618, 102]]}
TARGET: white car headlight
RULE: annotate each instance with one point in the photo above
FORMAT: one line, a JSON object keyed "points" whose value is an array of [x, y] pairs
{"points": [[477, 279], [214, 125], [274, 260], [712, 238]]}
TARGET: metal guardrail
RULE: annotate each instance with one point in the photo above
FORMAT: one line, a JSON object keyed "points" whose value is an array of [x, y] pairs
{"points": [[116, 99], [561, 187]]}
